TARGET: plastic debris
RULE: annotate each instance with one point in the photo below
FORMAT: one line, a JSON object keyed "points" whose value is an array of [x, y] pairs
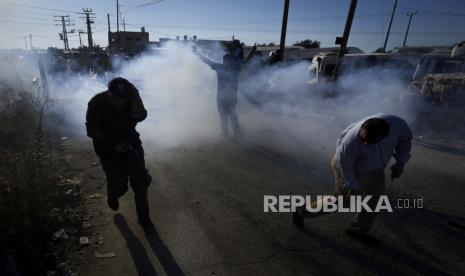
{"points": [[69, 182], [74, 181], [64, 138], [84, 240], [60, 235], [105, 255], [86, 225], [95, 196]]}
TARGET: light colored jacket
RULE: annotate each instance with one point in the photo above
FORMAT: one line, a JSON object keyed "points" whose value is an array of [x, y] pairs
{"points": [[354, 157]]}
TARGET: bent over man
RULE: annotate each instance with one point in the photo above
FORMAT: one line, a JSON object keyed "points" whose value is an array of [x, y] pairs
{"points": [[111, 121], [363, 151]]}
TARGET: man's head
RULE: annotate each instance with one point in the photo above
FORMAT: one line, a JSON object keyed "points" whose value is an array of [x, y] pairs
{"points": [[373, 131], [228, 59], [120, 92]]}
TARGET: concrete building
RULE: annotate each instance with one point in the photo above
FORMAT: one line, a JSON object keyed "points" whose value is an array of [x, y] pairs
{"points": [[128, 41]]}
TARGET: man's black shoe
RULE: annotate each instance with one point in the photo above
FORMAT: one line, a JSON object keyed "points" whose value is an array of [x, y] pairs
{"points": [[113, 203], [362, 236], [297, 220]]}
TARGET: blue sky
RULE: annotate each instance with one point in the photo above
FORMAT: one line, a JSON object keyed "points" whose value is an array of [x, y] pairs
{"points": [[437, 23]]}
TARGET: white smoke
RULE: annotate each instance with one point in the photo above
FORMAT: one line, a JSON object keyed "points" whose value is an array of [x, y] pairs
{"points": [[179, 92]]}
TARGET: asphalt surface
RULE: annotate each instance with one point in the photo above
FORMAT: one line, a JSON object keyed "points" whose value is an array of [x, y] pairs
{"points": [[207, 207]]}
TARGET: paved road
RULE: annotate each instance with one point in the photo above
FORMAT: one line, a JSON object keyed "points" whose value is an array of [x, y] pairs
{"points": [[207, 206]]}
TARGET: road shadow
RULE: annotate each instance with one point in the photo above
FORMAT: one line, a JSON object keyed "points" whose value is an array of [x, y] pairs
{"points": [[162, 252], [136, 249], [139, 255], [445, 227], [379, 266], [282, 160], [440, 147]]}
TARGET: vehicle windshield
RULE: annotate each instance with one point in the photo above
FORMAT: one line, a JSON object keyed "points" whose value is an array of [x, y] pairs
{"points": [[440, 65]]}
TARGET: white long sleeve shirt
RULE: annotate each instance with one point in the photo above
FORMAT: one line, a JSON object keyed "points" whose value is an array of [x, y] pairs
{"points": [[354, 157]]}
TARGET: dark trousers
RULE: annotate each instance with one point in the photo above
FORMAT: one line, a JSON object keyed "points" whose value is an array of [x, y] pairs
{"points": [[121, 168], [372, 184], [227, 110]]}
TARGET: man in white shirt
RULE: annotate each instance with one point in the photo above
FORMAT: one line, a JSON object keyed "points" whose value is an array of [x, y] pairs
{"points": [[363, 151]]}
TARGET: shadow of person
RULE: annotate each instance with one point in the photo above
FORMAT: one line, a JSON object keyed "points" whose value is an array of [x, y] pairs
{"points": [[377, 265], [162, 252], [446, 227], [136, 249], [444, 147]]}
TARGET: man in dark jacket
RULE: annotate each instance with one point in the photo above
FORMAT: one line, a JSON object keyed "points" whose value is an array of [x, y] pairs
{"points": [[111, 121], [228, 78]]}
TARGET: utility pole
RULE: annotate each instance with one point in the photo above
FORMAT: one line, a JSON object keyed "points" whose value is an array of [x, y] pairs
{"points": [[345, 38], [65, 21], [389, 28], [109, 32], [25, 42], [30, 40], [89, 21], [282, 44], [108, 21], [117, 16], [410, 14], [80, 40], [124, 25]]}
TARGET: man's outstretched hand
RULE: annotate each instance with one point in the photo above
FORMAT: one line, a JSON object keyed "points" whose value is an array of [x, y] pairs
{"points": [[396, 170]]}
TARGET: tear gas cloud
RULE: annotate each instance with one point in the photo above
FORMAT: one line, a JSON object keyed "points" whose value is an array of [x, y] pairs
{"points": [[179, 92]]}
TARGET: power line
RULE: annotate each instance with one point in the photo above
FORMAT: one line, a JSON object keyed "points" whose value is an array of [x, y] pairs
{"points": [[291, 31], [140, 6], [33, 18], [38, 7], [143, 5], [24, 22], [10, 12], [434, 12]]}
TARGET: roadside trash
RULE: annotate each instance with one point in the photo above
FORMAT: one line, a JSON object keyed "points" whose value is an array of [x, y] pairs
{"points": [[69, 192], [95, 164], [105, 255], [60, 235], [84, 240], [64, 138], [74, 181], [95, 196], [86, 225], [69, 182]]}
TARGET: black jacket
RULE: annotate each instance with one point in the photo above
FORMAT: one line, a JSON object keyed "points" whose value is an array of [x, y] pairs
{"points": [[107, 126]]}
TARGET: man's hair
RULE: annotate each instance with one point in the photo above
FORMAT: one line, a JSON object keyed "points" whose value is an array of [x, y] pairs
{"points": [[375, 128], [119, 87]]}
